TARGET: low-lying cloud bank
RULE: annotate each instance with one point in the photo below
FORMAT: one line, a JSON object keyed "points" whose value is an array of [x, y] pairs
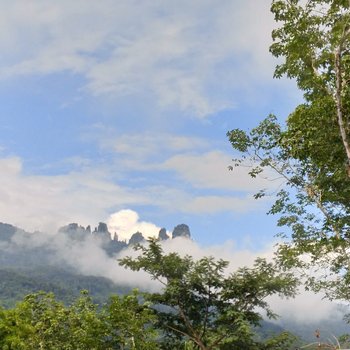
{"points": [[88, 257]]}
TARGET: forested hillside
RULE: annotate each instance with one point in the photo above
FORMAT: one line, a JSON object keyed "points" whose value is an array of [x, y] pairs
{"points": [[16, 283], [32, 262]]}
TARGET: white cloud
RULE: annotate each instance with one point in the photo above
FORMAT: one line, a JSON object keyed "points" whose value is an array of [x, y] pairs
{"points": [[214, 204], [126, 222], [210, 170], [177, 199], [46, 202], [306, 307], [193, 56], [149, 145], [193, 160], [87, 195]]}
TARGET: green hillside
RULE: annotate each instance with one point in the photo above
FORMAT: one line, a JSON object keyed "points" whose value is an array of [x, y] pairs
{"points": [[15, 283]]}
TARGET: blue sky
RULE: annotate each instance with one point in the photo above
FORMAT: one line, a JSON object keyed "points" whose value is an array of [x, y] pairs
{"points": [[117, 111]]}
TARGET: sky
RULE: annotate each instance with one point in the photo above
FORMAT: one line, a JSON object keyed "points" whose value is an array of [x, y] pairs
{"points": [[117, 111]]}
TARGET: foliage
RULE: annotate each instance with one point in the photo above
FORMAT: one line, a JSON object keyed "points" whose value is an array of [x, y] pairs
{"points": [[41, 322], [314, 41], [134, 323], [311, 153], [202, 307]]}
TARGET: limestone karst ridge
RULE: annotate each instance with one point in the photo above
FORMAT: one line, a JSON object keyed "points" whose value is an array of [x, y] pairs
{"points": [[109, 241]]}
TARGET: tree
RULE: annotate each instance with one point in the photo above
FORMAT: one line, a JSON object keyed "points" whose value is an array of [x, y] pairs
{"points": [[130, 323], [41, 322], [199, 305], [314, 41], [311, 153]]}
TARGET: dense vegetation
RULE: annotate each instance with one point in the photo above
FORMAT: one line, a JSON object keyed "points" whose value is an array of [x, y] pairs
{"points": [[41, 322]]}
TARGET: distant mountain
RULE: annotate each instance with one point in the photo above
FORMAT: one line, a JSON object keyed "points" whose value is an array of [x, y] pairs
{"points": [[15, 283], [162, 235], [110, 242], [136, 238], [21, 248], [30, 262], [328, 329], [181, 231], [7, 231]]}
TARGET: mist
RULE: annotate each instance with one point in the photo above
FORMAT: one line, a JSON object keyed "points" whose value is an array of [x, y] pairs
{"points": [[87, 257]]}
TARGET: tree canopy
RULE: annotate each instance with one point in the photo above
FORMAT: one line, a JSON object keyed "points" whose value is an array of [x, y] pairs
{"points": [[311, 152], [314, 41], [41, 322], [201, 303]]}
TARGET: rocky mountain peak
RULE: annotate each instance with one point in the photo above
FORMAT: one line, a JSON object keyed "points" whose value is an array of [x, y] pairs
{"points": [[102, 227], [181, 230], [162, 235], [136, 238]]}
